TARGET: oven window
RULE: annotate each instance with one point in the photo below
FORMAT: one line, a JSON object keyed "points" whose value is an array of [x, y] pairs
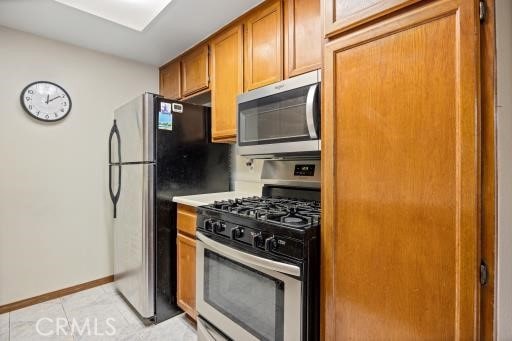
{"points": [[276, 118], [253, 300]]}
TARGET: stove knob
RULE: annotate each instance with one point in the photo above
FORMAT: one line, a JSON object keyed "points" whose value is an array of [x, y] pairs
{"points": [[270, 244], [218, 227], [208, 225], [237, 232], [257, 240]]}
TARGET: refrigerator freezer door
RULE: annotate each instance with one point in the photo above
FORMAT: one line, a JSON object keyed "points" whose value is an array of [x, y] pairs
{"points": [[135, 123], [187, 162], [134, 237]]}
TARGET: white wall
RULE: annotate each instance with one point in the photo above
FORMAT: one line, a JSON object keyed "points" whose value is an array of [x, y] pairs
{"points": [[246, 178], [504, 129], [55, 212]]}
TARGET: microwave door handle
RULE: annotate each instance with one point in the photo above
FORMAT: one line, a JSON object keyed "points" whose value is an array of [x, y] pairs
{"points": [[246, 258], [310, 111]]}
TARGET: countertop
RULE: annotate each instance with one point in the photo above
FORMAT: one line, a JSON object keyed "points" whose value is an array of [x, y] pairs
{"points": [[209, 198]]}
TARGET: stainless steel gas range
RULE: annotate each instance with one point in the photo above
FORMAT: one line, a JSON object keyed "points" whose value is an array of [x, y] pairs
{"points": [[257, 262]]}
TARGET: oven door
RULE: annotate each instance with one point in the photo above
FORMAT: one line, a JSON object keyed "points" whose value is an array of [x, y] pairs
{"points": [[245, 296]]}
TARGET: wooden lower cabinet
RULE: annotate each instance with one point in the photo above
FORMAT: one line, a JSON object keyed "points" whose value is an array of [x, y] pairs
{"points": [[187, 274], [186, 259], [401, 178]]}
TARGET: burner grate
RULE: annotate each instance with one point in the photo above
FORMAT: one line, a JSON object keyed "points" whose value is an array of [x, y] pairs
{"points": [[282, 211]]}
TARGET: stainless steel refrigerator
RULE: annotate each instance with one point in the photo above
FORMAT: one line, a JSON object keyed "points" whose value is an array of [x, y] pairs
{"points": [[158, 149]]}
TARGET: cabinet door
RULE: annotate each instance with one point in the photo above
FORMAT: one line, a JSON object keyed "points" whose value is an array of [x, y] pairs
{"points": [[263, 62], [187, 274], [170, 80], [227, 82], [194, 70], [400, 167], [341, 15], [303, 36], [186, 219]]}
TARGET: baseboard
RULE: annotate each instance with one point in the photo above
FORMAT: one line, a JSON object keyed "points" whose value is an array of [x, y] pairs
{"points": [[54, 294]]}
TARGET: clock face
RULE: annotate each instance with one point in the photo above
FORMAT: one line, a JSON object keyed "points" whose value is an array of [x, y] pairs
{"points": [[45, 101]]}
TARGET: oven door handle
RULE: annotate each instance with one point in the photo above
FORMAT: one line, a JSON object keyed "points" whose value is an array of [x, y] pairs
{"points": [[311, 99], [246, 258], [204, 329]]}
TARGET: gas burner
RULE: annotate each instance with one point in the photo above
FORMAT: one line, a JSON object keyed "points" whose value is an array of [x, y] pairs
{"points": [[281, 211]]}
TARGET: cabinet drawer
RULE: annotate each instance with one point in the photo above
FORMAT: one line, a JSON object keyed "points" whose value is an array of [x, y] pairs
{"points": [[186, 222]]}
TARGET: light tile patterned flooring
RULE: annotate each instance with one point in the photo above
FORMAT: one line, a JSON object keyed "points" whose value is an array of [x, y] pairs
{"points": [[89, 311]]}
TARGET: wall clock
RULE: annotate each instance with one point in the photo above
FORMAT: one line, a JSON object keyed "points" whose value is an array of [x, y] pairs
{"points": [[45, 101]]}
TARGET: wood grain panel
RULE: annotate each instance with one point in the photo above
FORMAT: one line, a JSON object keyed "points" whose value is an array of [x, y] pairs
{"points": [[263, 58], [187, 274], [227, 82], [401, 178], [302, 37], [186, 220], [194, 70], [342, 15], [489, 225], [170, 80]]}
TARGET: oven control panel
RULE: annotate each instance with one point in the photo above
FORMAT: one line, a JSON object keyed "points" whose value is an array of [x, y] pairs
{"points": [[258, 239]]}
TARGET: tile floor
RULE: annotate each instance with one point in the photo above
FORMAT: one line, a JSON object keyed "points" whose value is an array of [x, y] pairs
{"points": [[92, 314]]}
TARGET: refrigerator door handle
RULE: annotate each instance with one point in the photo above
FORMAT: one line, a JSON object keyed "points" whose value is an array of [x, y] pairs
{"points": [[114, 131], [114, 196]]}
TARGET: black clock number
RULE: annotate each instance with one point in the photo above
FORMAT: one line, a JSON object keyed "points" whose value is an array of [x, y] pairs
{"points": [[47, 116], [31, 92], [28, 98]]}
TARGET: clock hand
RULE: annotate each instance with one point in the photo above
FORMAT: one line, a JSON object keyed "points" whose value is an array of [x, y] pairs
{"points": [[47, 98], [53, 99]]}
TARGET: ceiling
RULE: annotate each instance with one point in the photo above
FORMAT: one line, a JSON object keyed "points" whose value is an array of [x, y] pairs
{"points": [[182, 24], [135, 14]]}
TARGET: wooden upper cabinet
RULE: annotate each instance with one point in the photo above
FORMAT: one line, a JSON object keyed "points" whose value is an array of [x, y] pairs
{"points": [[227, 82], [195, 70], [401, 179], [341, 15], [263, 59], [170, 80], [186, 269], [302, 36]]}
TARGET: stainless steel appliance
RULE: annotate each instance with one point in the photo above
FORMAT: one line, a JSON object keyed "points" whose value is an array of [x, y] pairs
{"points": [[281, 118], [158, 148], [257, 260]]}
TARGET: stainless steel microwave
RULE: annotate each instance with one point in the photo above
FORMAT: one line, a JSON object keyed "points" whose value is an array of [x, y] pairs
{"points": [[281, 119]]}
